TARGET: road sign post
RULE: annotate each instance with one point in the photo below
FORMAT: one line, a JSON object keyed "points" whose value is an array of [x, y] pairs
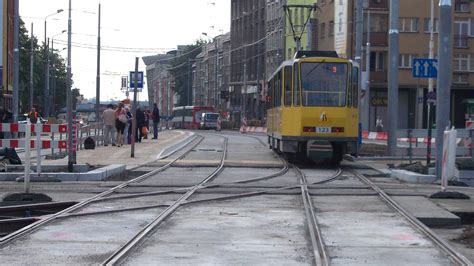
{"points": [[427, 68]]}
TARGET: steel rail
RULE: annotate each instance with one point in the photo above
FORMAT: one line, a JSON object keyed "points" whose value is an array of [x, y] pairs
{"points": [[442, 244], [122, 252], [319, 251], [31, 228]]}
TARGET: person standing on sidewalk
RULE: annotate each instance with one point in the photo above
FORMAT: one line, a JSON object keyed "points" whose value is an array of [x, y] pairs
{"points": [[140, 117], [156, 120], [108, 116], [120, 123]]}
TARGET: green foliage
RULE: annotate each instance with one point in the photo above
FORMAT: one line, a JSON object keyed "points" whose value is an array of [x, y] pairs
{"points": [[57, 73], [180, 69]]}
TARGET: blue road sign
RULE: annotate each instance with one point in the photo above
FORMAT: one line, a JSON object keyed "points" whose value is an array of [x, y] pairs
{"points": [[139, 80], [425, 68]]}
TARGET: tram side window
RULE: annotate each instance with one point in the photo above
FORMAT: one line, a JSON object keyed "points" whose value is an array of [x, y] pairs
{"points": [[278, 89], [270, 94], [288, 80], [355, 86], [349, 89], [296, 86]]}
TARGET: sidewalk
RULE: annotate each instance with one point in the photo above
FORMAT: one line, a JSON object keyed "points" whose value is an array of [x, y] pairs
{"points": [[145, 152]]}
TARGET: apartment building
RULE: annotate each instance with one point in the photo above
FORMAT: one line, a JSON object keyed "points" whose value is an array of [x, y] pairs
{"points": [[335, 31], [247, 57]]}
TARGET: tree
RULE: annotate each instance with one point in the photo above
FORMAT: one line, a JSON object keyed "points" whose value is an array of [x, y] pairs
{"points": [[180, 70], [57, 73]]}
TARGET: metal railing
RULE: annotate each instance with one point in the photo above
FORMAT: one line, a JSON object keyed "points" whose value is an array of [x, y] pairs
{"points": [[417, 139]]}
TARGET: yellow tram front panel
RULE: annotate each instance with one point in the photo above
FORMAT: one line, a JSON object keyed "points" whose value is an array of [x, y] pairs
{"points": [[334, 122]]}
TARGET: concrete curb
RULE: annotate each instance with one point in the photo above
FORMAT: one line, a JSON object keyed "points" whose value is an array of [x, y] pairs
{"points": [[163, 154], [100, 174], [412, 177]]}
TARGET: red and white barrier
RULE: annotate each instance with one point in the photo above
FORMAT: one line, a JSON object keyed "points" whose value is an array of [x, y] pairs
{"points": [[384, 136], [253, 129], [45, 128], [21, 143]]}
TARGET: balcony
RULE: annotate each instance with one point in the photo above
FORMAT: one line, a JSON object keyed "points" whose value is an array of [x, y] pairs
{"points": [[378, 76], [377, 39], [378, 4]]}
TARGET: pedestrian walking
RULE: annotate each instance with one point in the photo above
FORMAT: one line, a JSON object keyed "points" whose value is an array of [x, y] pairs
{"points": [[33, 116], [140, 117], [156, 120], [108, 116], [120, 123], [146, 113], [126, 132]]}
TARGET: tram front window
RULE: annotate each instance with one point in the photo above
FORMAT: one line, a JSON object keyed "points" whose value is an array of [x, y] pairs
{"points": [[324, 84]]}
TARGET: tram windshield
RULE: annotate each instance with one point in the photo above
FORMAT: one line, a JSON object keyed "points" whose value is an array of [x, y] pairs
{"points": [[324, 84]]}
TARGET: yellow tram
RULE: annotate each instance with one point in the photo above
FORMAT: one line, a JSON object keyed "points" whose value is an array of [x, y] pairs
{"points": [[313, 106]]}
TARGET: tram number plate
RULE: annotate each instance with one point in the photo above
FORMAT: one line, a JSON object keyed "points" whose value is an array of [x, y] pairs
{"points": [[323, 130]]}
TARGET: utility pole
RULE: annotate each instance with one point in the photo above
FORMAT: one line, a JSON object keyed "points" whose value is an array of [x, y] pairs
{"points": [[443, 92], [97, 89], [366, 115], [16, 60], [244, 77], [134, 108], [359, 30], [358, 58], [32, 61], [71, 149], [431, 106], [393, 78], [46, 82], [190, 74], [216, 95]]}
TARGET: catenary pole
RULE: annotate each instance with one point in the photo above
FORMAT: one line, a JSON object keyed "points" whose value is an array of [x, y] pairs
{"points": [[134, 108], [71, 149], [443, 92], [97, 88], [430, 106], [32, 63], [393, 78], [16, 60], [357, 57], [367, 82]]}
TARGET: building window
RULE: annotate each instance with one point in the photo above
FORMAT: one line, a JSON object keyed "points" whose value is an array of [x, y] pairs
{"points": [[377, 61], [406, 60], [378, 23], [461, 62], [331, 28], [462, 6], [408, 25], [322, 30], [426, 25], [461, 34]]}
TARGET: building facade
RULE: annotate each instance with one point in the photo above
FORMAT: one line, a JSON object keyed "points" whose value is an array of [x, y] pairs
{"points": [[337, 32], [248, 53]]}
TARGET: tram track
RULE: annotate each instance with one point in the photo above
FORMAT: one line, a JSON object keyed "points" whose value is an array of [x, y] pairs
{"points": [[442, 244], [169, 208], [216, 191]]}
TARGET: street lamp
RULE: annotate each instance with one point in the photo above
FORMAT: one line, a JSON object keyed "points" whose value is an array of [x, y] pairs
{"points": [[46, 50]]}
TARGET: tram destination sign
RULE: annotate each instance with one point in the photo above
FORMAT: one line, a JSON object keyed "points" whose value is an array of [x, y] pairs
{"points": [[425, 68]]}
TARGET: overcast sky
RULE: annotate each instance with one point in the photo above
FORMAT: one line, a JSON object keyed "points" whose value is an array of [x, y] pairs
{"points": [[129, 29]]}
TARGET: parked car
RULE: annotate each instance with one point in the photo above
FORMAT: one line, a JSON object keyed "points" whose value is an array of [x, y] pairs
{"points": [[209, 120]]}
